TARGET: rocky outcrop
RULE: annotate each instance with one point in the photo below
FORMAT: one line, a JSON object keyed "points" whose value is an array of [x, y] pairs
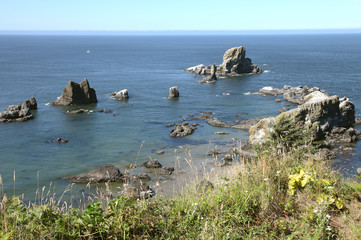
{"points": [[107, 173], [234, 63], [19, 113], [121, 95], [173, 92], [76, 94], [326, 113], [151, 164], [182, 130], [290, 94]]}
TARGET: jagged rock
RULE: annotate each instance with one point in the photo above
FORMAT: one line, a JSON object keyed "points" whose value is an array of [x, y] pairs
{"points": [[151, 164], [182, 130], [139, 189], [319, 110], [107, 173], [75, 93], [121, 95], [212, 77], [173, 92], [31, 103], [234, 63], [19, 113]]}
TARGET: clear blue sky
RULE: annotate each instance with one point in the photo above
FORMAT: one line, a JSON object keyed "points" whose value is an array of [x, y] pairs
{"points": [[138, 15]]}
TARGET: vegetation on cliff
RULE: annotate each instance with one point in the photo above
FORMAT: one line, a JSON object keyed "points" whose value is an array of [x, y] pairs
{"points": [[286, 192]]}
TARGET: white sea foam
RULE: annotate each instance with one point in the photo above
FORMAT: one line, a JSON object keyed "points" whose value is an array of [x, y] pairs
{"points": [[266, 71], [226, 94]]}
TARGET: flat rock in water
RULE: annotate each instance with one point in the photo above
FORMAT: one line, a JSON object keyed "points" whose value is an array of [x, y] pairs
{"points": [[182, 130], [107, 173]]}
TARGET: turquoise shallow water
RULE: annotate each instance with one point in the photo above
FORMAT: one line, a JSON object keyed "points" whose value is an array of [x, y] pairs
{"points": [[147, 66]]}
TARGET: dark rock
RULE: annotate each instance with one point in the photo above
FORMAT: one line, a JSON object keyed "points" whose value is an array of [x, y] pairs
{"points": [[173, 92], [78, 111], [121, 95], [107, 173], [228, 157], [78, 94], [278, 100], [151, 164], [221, 133], [204, 186], [234, 63], [182, 130], [142, 176], [167, 170], [240, 115], [160, 152], [139, 189], [214, 152], [61, 140], [170, 125], [218, 123]]}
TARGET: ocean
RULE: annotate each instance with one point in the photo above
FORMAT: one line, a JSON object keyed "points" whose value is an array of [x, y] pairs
{"points": [[148, 66]]}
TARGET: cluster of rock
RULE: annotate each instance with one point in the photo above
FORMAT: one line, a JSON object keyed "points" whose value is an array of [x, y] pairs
{"points": [[121, 95], [238, 124], [20, 112], [234, 63], [136, 187], [76, 94], [333, 117]]}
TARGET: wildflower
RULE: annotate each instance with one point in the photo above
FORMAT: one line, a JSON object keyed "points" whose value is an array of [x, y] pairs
{"points": [[328, 216], [330, 187], [278, 172], [266, 179], [329, 228]]}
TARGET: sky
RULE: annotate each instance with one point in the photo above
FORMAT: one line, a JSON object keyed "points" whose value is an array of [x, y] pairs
{"points": [[163, 15]]}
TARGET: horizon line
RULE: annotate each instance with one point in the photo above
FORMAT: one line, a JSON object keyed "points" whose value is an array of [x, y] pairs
{"points": [[178, 32]]}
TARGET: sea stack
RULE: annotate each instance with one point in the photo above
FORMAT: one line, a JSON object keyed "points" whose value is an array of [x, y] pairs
{"points": [[173, 92], [76, 94], [121, 95], [234, 63]]}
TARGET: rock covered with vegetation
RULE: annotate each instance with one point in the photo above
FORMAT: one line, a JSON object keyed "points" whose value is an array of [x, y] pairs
{"points": [[234, 63], [20, 112], [76, 94], [319, 111]]}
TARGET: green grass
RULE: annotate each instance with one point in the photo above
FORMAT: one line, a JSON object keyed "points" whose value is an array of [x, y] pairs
{"points": [[288, 194]]}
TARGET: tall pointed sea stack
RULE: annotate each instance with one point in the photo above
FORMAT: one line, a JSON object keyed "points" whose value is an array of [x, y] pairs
{"points": [[76, 94]]}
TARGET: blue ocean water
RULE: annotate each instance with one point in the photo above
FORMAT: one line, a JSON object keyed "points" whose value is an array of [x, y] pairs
{"points": [[148, 66]]}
